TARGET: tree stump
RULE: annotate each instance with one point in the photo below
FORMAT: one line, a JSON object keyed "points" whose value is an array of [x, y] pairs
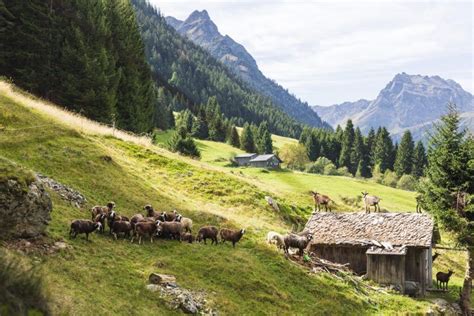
{"points": [[156, 278]]}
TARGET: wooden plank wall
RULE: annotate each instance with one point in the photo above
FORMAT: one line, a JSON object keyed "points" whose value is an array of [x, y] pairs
{"points": [[387, 269]]}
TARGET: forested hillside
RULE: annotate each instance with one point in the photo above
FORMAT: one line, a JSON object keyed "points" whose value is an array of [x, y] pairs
{"points": [[84, 55], [186, 67]]}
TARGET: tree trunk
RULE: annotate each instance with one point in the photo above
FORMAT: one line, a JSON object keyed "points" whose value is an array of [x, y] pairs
{"points": [[465, 299]]}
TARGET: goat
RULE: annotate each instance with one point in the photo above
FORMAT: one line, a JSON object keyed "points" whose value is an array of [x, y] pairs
{"points": [[169, 229], [321, 200], [124, 227], [186, 222], [433, 258], [295, 241], [207, 232], [275, 238], [370, 200], [83, 226], [442, 279], [144, 229], [231, 235], [419, 202]]}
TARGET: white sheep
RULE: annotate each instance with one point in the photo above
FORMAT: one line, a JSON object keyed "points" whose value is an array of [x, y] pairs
{"points": [[186, 222], [275, 239]]}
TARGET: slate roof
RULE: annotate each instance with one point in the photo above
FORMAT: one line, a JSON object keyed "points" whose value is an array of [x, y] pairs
{"points": [[245, 156], [359, 229], [264, 158]]}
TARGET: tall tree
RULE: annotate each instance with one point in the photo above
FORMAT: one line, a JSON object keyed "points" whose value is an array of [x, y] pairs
{"points": [[264, 139], [404, 157], [347, 142], [383, 149], [370, 146], [313, 146], [247, 141], [357, 153], [419, 160], [234, 139], [450, 171]]}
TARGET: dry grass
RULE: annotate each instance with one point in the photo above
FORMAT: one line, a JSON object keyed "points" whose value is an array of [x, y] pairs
{"points": [[68, 118]]}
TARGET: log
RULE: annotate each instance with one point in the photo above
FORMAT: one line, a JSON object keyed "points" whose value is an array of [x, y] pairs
{"points": [[156, 278]]}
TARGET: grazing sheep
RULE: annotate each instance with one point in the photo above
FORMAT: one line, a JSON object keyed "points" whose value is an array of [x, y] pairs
{"points": [[83, 226], [187, 237], [124, 227], [100, 218], [321, 200], [207, 232], [113, 217], [144, 229], [231, 235], [186, 222], [169, 217], [295, 241], [370, 200], [150, 211], [169, 229], [442, 279], [276, 239], [135, 219]]}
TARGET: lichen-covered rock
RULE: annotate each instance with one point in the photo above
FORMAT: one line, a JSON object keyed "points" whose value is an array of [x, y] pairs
{"points": [[24, 209]]}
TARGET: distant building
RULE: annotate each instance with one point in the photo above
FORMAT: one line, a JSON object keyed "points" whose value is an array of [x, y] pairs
{"points": [[265, 161], [390, 248], [244, 159], [258, 161]]}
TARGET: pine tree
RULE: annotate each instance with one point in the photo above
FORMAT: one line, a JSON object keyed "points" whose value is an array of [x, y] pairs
{"points": [[383, 149], [247, 142], [347, 142], [234, 139], [419, 160], [404, 158], [449, 171], [357, 154], [312, 146], [370, 147]]}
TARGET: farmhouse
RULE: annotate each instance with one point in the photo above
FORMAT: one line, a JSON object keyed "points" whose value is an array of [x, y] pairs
{"points": [[244, 159], [390, 248], [265, 161]]}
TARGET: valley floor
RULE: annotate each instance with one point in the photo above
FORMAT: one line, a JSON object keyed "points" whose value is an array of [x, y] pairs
{"points": [[108, 277]]}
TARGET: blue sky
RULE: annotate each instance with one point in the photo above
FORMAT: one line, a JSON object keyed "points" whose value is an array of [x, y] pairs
{"points": [[328, 52]]}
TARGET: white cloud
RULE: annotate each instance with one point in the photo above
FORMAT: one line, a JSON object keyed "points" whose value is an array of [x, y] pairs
{"points": [[331, 51]]}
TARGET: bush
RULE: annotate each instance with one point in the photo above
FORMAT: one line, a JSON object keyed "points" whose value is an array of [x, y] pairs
{"points": [[390, 178], [184, 144], [407, 182], [330, 170], [344, 171], [294, 155], [377, 175], [318, 166]]}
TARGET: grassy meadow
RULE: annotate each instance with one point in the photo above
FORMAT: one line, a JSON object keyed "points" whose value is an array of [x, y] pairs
{"points": [[109, 277]]}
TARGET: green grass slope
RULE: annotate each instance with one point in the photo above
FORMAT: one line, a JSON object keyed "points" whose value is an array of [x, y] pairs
{"points": [[109, 277]]}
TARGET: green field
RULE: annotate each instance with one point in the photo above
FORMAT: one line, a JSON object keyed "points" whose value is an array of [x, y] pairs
{"points": [[109, 277]]}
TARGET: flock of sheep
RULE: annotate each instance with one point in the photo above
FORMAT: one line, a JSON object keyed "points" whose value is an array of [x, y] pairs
{"points": [[152, 224]]}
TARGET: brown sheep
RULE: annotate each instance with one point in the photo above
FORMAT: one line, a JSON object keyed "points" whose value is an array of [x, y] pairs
{"points": [[83, 226], [231, 235], [207, 232], [442, 279], [96, 210], [187, 237], [112, 217], [169, 229], [135, 219], [144, 229], [321, 200], [295, 241], [100, 218], [124, 227], [169, 217]]}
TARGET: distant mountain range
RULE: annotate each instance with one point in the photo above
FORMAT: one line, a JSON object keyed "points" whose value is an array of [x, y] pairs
{"points": [[199, 28], [411, 102]]}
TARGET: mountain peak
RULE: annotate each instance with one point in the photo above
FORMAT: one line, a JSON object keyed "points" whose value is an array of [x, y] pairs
{"points": [[198, 15]]}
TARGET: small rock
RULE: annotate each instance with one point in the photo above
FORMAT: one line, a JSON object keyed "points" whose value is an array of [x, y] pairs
{"points": [[60, 245], [153, 287]]}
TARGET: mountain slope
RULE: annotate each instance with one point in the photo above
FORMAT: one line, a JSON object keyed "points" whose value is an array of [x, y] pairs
{"points": [[199, 28], [411, 102], [250, 279], [185, 66]]}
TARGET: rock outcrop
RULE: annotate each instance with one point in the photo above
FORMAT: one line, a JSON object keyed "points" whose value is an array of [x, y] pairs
{"points": [[24, 210]]}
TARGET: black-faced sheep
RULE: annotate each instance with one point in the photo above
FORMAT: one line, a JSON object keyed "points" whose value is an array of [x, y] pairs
{"points": [[295, 241], [231, 235], [169, 229], [207, 232], [276, 239], [186, 222], [187, 237], [144, 229], [83, 226], [442, 279], [119, 227]]}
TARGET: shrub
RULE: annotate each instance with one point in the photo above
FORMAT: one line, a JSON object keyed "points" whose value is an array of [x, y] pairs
{"points": [[318, 166], [294, 155], [407, 182], [377, 175], [390, 178], [330, 170], [344, 171], [181, 142]]}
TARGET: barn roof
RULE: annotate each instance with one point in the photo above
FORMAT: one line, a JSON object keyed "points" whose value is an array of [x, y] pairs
{"points": [[359, 229], [264, 158], [245, 156]]}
